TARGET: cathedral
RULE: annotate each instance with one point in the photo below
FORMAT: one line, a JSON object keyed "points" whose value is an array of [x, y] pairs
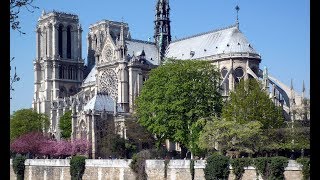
{"points": [[104, 89]]}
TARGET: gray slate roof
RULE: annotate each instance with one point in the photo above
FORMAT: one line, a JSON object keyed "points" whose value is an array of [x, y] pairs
{"points": [[101, 102], [91, 78], [223, 41], [136, 47]]}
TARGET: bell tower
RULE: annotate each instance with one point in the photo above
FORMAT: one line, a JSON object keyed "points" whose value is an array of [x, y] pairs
{"points": [[162, 33], [58, 66]]}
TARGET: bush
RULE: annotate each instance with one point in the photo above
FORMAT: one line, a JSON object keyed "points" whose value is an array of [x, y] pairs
{"points": [[305, 167], [261, 164], [238, 166], [217, 167], [271, 168], [277, 165], [77, 167], [138, 164], [18, 166]]}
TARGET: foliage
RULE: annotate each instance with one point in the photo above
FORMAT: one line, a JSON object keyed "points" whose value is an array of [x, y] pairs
{"points": [[305, 162], [250, 103], [65, 125], [223, 135], [166, 163], [217, 167], [271, 167], [15, 8], [238, 165], [138, 164], [28, 143], [77, 167], [262, 168], [27, 120], [176, 96], [276, 167], [18, 166], [36, 144], [192, 168], [139, 136], [112, 144]]}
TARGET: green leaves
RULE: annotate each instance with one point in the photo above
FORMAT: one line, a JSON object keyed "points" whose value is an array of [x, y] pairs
{"points": [[27, 120], [65, 125], [250, 103], [176, 95]]}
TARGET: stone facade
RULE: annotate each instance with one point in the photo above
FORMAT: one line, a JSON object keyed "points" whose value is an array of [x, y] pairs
{"points": [[58, 169]]}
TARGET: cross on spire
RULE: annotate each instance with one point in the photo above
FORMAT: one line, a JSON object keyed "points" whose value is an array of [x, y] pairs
{"points": [[237, 8]]}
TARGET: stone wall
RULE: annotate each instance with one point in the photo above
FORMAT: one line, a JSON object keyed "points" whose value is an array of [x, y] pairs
{"points": [[98, 169]]}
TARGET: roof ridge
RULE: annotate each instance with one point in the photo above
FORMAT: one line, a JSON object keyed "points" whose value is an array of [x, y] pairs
{"points": [[208, 32], [138, 40]]}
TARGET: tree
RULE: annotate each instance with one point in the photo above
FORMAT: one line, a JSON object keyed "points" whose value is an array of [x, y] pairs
{"points": [[250, 103], [28, 143], [65, 125], [245, 119], [176, 96], [27, 120], [220, 134], [15, 9]]}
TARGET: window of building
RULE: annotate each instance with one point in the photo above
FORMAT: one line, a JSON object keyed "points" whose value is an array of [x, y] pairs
{"points": [[69, 42], [60, 39]]}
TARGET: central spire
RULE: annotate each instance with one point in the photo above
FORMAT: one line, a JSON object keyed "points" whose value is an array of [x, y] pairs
{"points": [[162, 33], [237, 8]]}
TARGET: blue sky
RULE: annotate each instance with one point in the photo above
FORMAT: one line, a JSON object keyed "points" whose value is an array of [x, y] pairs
{"points": [[278, 30]]}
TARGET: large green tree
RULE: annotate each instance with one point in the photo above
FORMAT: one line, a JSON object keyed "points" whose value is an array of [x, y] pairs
{"points": [[65, 125], [249, 102], [176, 96], [27, 120], [246, 117]]}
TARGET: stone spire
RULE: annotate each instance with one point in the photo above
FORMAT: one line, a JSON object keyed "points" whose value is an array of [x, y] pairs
{"points": [[162, 33], [303, 89]]}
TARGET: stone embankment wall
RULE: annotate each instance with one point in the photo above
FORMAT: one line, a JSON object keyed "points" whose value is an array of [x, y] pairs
{"points": [[98, 169]]}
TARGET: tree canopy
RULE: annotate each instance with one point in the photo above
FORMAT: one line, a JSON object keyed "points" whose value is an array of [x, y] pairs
{"points": [[248, 102], [246, 117], [65, 125], [176, 96], [27, 120]]}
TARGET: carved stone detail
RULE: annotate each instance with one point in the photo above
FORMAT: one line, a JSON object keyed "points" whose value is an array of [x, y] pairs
{"points": [[109, 83]]}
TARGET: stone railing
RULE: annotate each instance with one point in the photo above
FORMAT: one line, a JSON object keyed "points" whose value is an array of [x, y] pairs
{"points": [[120, 169]]}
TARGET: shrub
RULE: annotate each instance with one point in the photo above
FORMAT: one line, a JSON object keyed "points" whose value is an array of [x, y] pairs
{"points": [[18, 166], [77, 167], [305, 167], [238, 166], [217, 167], [277, 165], [261, 164], [138, 164]]}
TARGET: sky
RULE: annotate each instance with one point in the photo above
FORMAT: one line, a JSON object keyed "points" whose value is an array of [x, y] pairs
{"points": [[278, 30]]}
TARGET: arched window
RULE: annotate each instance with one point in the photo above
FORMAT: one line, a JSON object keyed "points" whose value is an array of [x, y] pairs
{"points": [[60, 39], [69, 42], [69, 72], [95, 41], [238, 74], [60, 72]]}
